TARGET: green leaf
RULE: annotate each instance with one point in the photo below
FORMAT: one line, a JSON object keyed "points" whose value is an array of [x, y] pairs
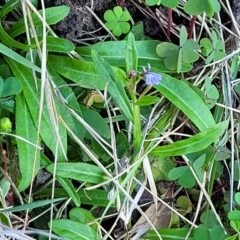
{"points": [[237, 198], [194, 7], [79, 171], [96, 121], [191, 44], [55, 44], [161, 166], [183, 35], [131, 54], [32, 96], [114, 53], [27, 153], [66, 91], [181, 95], [12, 86], [68, 186], [7, 40], [125, 16], [18, 58], [53, 16], [201, 233], [110, 16], [164, 48], [147, 100], [81, 72], [114, 87], [176, 173], [117, 31], [189, 56], [234, 215], [82, 215], [73, 230], [170, 3], [35, 204], [153, 2], [118, 11], [9, 6], [125, 27], [1, 86], [172, 60], [193, 144]]}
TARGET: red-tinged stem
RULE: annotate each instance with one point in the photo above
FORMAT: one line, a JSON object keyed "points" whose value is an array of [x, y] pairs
{"points": [[121, 2], [169, 23], [191, 26]]}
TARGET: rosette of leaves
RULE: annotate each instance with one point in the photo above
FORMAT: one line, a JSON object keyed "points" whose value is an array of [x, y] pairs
{"points": [[197, 7], [212, 49], [117, 21], [175, 55]]}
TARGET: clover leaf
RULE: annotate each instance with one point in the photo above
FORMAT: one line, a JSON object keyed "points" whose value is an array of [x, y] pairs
{"points": [[175, 55], [117, 21], [197, 7], [213, 50]]}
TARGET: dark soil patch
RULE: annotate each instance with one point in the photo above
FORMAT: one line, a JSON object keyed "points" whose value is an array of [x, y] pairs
{"points": [[80, 23]]}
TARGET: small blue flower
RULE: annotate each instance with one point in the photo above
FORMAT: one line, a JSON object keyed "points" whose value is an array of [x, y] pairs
{"points": [[151, 78]]}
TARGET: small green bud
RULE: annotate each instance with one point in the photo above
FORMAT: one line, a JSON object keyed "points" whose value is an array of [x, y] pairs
{"points": [[5, 125]]}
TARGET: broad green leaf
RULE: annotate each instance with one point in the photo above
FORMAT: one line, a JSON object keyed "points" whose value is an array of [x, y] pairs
{"points": [[193, 144], [114, 53], [73, 230], [7, 40], [27, 153], [81, 72], [131, 54], [18, 58], [79, 171], [90, 197], [184, 203], [147, 100], [35, 204], [82, 215], [182, 96], [55, 44], [68, 186], [66, 91], [53, 16], [191, 44], [114, 85], [96, 121], [32, 96], [11, 86]]}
